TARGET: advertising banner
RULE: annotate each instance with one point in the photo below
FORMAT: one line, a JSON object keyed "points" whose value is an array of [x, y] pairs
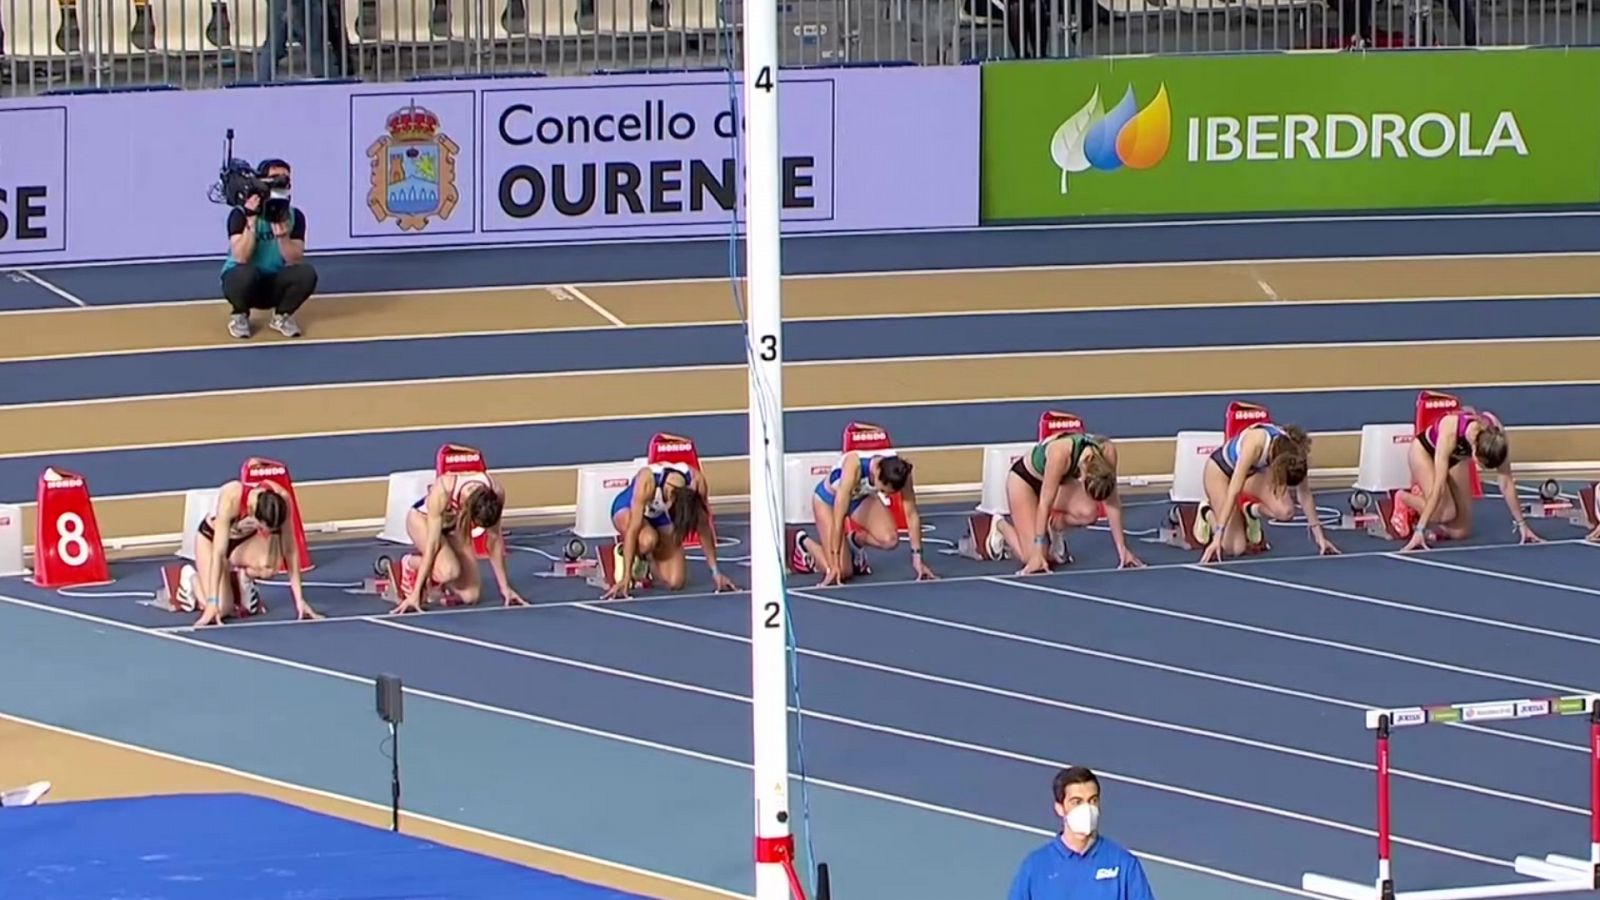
{"points": [[1290, 133], [494, 161]]}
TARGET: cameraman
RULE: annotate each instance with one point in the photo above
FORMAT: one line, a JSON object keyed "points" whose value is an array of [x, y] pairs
{"points": [[266, 266]]}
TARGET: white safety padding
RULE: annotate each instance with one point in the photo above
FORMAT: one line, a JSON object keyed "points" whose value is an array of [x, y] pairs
{"points": [[405, 488], [801, 474], [197, 504], [997, 462], [598, 486], [1385, 458], [11, 541], [1189, 465]]}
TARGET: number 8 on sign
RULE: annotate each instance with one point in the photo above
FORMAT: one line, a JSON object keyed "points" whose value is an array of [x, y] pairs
{"points": [[70, 544], [66, 536]]}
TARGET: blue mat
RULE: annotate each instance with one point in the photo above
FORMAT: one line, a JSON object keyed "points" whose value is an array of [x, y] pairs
{"points": [[242, 847]]}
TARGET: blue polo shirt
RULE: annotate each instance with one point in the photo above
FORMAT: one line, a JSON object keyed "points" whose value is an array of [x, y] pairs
{"points": [[1057, 872]]}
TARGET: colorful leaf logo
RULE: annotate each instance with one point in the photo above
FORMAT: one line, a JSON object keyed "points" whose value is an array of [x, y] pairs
{"points": [[1093, 138]]}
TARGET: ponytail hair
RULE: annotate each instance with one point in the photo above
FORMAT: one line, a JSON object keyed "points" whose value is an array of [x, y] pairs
{"points": [[271, 510], [687, 510]]}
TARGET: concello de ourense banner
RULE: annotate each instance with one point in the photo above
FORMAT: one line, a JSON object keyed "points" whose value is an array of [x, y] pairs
{"points": [[1290, 132]]}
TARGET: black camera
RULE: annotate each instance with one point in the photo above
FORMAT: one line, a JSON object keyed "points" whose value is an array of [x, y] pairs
{"points": [[238, 181]]}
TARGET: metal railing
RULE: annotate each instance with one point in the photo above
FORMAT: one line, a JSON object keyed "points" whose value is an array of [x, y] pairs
{"points": [[50, 45]]}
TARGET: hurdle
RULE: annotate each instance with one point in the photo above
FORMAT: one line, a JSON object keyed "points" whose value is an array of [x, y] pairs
{"points": [[1188, 489], [1555, 873]]}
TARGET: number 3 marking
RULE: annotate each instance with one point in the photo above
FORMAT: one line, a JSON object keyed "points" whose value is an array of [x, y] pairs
{"points": [[70, 544]]}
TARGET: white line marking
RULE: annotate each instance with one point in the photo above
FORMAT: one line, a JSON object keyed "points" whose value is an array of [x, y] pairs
{"points": [[741, 411], [731, 321], [1408, 607], [1098, 712], [1291, 636], [367, 804], [1143, 663], [951, 743], [1266, 288], [982, 231], [59, 292], [1042, 358], [572, 292], [1489, 573], [632, 741]]}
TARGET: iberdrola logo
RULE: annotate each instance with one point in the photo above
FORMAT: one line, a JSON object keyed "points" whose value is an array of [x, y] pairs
{"points": [[1126, 136]]}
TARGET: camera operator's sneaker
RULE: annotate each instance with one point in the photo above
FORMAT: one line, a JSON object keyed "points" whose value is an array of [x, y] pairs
{"points": [[286, 326], [239, 326]]}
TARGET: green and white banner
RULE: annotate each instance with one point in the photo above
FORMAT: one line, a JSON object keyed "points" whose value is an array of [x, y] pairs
{"points": [[1293, 132]]}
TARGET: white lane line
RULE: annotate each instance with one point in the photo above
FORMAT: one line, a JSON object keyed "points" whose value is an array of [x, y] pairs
{"points": [[1098, 712], [1291, 636], [1490, 573], [59, 292], [573, 292], [1157, 666], [951, 743], [637, 742], [1407, 607]]}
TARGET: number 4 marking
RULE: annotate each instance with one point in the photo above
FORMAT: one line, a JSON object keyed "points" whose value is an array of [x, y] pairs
{"points": [[764, 79]]}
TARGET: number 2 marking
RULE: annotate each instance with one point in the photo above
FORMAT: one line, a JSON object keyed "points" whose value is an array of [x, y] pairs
{"points": [[70, 543], [773, 610]]}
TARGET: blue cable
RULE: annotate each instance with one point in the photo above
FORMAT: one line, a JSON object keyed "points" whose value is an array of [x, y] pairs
{"points": [[791, 644]]}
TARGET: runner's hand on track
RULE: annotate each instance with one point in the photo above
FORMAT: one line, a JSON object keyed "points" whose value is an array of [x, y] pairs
{"points": [[923, 572], [1419, 541], [723, 583], [1325, 547], [1526, 535], [620, 590], [513, 598], [304, 612], [1213, 552], [1038, 564], [1127, 560]]}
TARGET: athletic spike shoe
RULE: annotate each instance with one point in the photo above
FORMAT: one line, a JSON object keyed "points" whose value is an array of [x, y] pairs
{"points": [[408, 576], [800, 560], [997, 538], [1202, 525], [188, 589], [1401, 517], [1252, 524]]}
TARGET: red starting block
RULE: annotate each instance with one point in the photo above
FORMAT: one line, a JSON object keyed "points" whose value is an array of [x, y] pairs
{"points": [[608, 559], [1433, 406], [459, 459], [1241, 415], [67, 548], [672, 448], [866, 438], [257, 471], [247, 597]]}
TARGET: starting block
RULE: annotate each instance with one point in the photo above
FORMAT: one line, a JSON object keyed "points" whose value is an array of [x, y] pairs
{"points": [[11, 541], [866, 438], [802, 472], [671, 448], [1551, 505], [1194, 449], [1383, 468], [602, 572], [172, 596]]}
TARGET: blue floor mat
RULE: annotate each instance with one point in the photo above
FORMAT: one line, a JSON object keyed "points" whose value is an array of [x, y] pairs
{"points": [[242, 847]]}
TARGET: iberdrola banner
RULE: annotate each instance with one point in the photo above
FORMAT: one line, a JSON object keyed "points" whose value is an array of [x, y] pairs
{"points": [[1290, 132]]}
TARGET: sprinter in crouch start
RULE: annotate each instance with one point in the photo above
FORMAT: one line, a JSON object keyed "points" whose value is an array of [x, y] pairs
{"points": [[664, 504], [440, 526], [256, 522]]}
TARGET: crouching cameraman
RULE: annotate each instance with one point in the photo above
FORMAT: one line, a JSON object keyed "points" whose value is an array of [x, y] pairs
{"points": [[266, 267]]}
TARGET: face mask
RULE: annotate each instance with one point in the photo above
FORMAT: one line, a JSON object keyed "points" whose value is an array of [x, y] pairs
{"points": [[1083, 819]]}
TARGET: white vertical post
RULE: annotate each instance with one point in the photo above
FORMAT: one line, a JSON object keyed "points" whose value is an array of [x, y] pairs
{"points": [[769, 682]]}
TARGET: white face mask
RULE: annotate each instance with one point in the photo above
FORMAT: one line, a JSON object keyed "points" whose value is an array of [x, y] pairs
{"points": [[1083, 819]]}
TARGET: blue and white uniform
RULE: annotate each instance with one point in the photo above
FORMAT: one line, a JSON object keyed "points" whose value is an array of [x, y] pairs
{"points": [[864, 485], [453, 505], [1106, 871], [1227, 456], [656, 511]]}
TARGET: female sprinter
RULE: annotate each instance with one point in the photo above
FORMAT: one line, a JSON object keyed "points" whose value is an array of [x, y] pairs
{"points": [[664, 502], [1067, 473], [440, 526], [842, 496], [1443, 493], [253, 519], [1264, 461]]}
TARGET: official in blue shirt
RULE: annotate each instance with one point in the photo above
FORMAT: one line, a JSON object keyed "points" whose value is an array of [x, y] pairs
{"points": [[1079, 863]]}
